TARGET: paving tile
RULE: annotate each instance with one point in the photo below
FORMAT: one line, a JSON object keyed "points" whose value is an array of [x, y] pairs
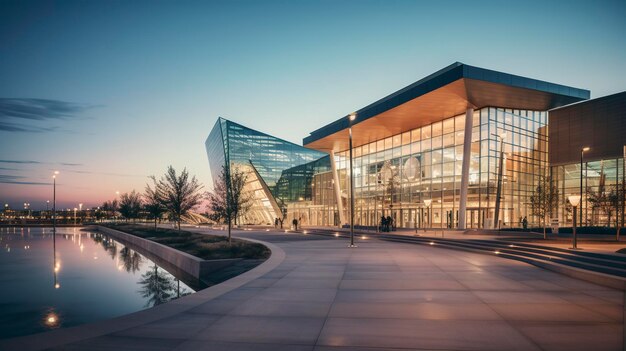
{"points": [[577, 337], [313, 295], [310, 283], [434, 284], [421, 334], [121, 343], [547, 312], [412, 296], [196, 345], [529, 297], [277, 330], [180, 326], [282, 308], [411, 310]]}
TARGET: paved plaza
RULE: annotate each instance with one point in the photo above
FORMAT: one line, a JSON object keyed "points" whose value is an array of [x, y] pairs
{"points": [[322, 295]]}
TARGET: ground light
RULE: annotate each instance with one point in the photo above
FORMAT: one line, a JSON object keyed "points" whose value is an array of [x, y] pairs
{"points": [[574, 200]]}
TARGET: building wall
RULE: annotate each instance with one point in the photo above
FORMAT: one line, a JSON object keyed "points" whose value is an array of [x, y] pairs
{"points": [[599, 124], [387, 183], [264, 159]]}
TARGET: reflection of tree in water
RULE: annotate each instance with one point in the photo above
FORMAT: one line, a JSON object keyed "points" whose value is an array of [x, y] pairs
{"points": [[158, 286], [130, 259], [109, 245]]}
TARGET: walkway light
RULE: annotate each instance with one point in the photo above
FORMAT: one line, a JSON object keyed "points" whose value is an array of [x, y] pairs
{"points": [[427, 203], [574, 200]]}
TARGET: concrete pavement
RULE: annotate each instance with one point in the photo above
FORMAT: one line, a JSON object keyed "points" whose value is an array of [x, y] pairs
{"points": [[382, 295]]}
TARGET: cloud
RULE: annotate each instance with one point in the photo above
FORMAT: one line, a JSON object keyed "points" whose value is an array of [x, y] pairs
{"points": [[39, 109], [11, 179], [14, 127], [106, 173], [20, 161], [36, 110], [31, 162]]}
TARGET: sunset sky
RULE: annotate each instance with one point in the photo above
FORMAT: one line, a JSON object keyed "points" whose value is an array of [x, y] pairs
{"points": [[110, 92]]}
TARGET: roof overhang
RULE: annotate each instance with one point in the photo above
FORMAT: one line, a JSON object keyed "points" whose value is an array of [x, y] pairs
{"points": [[446, 93]]}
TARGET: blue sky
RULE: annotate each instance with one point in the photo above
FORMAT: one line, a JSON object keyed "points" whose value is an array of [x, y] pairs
{"points": [[118, 90]]}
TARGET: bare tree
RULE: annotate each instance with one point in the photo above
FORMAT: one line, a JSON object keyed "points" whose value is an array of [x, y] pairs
{"points": [[130, 205], [544, 200], [177, 194], [228, 201], [153, 205]]}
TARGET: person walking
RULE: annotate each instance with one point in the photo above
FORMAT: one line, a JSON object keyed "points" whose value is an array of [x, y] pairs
{"points": [[295, 224], [276, 222]]}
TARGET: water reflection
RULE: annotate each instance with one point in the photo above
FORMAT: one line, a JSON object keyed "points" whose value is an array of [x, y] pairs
{"points": [[158, 287], [83, 289], [51, 319]]}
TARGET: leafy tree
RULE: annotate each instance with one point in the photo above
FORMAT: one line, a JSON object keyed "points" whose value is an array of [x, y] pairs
{"points": [[228, 200], [177, 194], [544, 199], [130, 205], [110, 208], [153, 205]]}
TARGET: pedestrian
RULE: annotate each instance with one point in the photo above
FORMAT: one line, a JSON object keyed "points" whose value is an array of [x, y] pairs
{"points": [[295, 224], [276, 222], [525, 222], [389, 223]]}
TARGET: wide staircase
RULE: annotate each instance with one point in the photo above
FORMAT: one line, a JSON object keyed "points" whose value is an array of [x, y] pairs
{"points": [[604, 269]]}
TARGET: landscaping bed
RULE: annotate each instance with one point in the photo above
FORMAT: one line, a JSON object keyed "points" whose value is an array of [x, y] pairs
{"points": [[204, 246]]}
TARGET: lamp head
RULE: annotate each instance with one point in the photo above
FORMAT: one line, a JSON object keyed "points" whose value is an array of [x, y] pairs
{"points": [[574, 200], [352, 116], [427, 202], [586, 148]]}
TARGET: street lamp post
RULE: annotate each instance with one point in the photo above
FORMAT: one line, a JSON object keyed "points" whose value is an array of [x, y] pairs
{"points": [[427, 203], [574, 200], [582, 153], [496, 217], [54, 205], [351, 119]]}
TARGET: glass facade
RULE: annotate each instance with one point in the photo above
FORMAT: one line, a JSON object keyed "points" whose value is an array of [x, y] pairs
{"points": [[601, 202], [264, 159], [394, 176]]}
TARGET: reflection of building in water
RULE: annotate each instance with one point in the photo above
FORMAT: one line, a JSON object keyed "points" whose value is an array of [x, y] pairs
{"points": [[464, 147]]}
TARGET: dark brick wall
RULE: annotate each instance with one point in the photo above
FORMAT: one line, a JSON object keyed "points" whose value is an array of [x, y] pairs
{"points": [[598, 123]]}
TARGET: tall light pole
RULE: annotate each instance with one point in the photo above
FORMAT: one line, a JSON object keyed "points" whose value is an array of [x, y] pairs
{"points": [[496, 217], [54, 228], [582, 153], [623, 189], [351, 119], [54, 205], [574, 200]]}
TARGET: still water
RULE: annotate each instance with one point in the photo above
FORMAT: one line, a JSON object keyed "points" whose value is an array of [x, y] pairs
{"points": [[78, 278]]}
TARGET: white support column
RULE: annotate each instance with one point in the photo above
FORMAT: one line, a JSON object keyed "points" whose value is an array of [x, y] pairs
{"points": [[333, 166], [467, 154]]}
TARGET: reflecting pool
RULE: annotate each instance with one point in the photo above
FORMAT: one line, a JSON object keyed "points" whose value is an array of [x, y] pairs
{"points": [[78, 278]]}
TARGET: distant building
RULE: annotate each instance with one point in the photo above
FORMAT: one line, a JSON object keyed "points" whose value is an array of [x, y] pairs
{"points": [[409, 150]]}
